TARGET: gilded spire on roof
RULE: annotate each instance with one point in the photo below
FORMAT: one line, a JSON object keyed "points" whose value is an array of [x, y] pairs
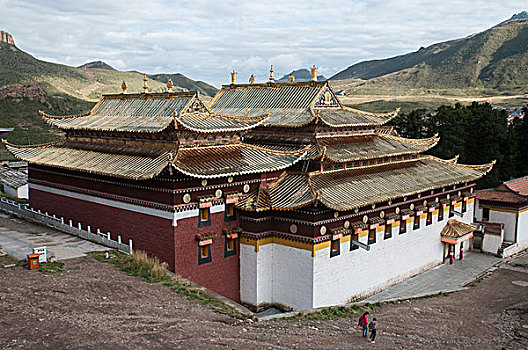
{"points": [[314, 73], [169, 85], [291, 78], [124, 87], [271, 78], [233, 77], [251, 79], [145, 84]]}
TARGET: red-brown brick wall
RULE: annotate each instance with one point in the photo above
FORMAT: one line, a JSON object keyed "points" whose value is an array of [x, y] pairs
{"points": [[152, 234], [175, 245], [221, 274]]}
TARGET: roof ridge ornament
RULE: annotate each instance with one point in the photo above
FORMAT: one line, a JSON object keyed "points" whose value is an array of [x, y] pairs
{"points": [[251, 79], [291, 78], [271, 78], [314, 73], [233, 77], [124, 87], [145, 84], [170, 85]]}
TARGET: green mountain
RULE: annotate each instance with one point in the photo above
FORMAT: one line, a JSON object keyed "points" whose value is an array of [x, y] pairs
{"points": [[494, 60], [28, 85]]}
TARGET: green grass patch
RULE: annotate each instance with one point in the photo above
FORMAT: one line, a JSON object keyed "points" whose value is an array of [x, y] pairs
{"points": [[51, 267], [152, 271], [332, 313]]}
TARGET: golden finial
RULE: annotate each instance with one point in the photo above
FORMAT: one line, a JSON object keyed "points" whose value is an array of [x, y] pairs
{"points": [[233, 77], [271, 78], [251, 79], [124, 87], [145, 85], [169, 85], [314, 73], [291, 78]]}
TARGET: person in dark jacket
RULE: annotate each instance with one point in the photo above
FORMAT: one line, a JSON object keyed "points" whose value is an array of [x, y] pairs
{"points": [[363, 322], [372, 327]]}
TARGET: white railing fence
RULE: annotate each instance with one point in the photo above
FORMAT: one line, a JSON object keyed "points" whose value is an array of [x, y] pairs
{"points": [[23, 211]]}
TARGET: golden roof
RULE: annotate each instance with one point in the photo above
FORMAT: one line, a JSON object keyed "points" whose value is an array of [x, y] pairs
{"points": [[457, 229], [349, 189]]}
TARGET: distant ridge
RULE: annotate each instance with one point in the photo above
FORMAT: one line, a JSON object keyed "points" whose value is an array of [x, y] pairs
{"points": [[96, 64], [496, 58], [301, 75]]}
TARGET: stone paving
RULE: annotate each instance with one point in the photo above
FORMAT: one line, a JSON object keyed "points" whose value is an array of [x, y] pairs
{"points": [[61, 245], [443, 278]]}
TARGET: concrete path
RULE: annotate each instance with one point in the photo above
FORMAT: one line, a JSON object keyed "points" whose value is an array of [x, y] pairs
{"points": [[444, 278], [18, 238]]}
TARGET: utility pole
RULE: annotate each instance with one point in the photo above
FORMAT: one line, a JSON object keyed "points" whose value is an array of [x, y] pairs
{"points": [[394, 90]]}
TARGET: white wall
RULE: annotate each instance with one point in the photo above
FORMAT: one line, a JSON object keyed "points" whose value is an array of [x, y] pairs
{"points": [[301, 281], [491, 243], [21, 192], [522, 229]]}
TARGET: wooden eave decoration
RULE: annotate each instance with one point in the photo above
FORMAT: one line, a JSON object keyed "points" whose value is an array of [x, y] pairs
{"points": [[233, 233], [205, 238]]}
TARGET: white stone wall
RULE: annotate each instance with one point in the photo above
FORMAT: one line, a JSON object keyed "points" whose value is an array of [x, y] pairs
{"points": [[491, 243], [522, 229], [301, 281]]}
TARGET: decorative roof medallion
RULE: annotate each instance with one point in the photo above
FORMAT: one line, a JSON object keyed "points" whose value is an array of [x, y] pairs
{"points": [[389, 202], [397, 211], [432, 191], [411, 206], [218, 193], [346, 224], [365, 219], [459, 193], [251, 79], [204, 182], [246, 188], [405, 199], [424, 203], [169, 85], [271, 78], [313, 70], [336, 214], [293, 228], [382, 214], [437, 199], [356, 210], [419, 195], [186, 198], [471, 190], [124, 87], [230, 179], [233, 77], [373, 205], [448, 196], [291, 78], [322, 230]]}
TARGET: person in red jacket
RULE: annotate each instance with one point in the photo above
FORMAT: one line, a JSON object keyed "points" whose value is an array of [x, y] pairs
{"points": [[363, 322]]}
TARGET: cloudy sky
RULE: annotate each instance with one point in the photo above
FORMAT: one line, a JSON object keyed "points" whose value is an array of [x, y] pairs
{"points": [[206, 39]]}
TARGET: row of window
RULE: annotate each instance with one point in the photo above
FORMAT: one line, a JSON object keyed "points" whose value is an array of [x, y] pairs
{"points": [[204, 252], [335, 246], [205, 215], [360, 163]]}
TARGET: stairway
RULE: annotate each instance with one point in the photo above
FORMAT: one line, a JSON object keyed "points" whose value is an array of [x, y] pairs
{"points": [[504, 245]]}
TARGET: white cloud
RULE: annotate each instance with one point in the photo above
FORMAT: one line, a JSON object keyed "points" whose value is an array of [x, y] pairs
{"points": [[206, 39]]}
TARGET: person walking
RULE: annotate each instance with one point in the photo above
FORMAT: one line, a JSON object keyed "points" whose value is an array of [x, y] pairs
{"points": [[372, 327], [363, 322]]}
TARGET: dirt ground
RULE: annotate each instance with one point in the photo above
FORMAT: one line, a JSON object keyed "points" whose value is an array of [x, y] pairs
{"points": [[94, 305]]}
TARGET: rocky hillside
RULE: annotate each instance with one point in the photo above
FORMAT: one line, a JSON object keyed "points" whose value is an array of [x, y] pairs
{"points": [[28, 84], [496, 59]]}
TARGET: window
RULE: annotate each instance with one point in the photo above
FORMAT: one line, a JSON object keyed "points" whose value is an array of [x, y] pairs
{"points": [[416, 222], [229, 247], [230, 213], [204, 254], [464, 206], [441, 213], [372, 236], [388, 231], [429, 218], [355, 238], [403, 226], [334, 247], [205, 217], [485, 214]]}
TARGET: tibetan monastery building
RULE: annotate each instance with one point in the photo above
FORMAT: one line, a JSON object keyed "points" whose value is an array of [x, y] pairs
{"points": [[275, 193]]}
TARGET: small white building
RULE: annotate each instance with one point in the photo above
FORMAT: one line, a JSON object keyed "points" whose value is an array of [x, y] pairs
{"points": [[502, 213], [14, 183]]}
